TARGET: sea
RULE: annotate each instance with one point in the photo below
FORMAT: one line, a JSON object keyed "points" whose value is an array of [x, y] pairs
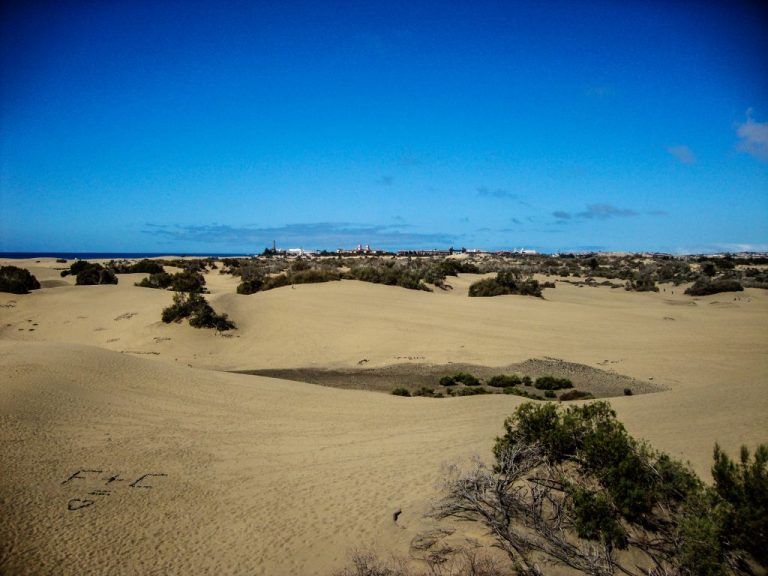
{"points": [[116, 255]]}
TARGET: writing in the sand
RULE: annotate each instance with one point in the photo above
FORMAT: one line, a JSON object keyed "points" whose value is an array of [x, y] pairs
{"points": [[101, 483]]}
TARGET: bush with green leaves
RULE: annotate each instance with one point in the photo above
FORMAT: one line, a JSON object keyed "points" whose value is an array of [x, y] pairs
{"points": [[743, 486], [92, 274], [574, 395], [552, 383], [161, 280], [144, 266], [503, 381], [188, 280], [401, 392], [17, 280], [704, 286], [199, 312], [506, 282], [460, 378], [571, 487], [473, 391]]}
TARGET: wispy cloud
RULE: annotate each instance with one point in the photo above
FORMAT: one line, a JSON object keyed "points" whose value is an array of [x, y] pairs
{"points": [[486, 192], [605, 211], [753, 137], [600, 212], [313, 235], [683, 154]]}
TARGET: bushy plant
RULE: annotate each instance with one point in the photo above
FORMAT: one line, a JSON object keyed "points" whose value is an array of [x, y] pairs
{"points": [[160, 280], [201, 315], [401, 392], [17, 280], [89, 274], [144, 266], [603, 491], [503, 381], [473, 391], [574, 395], [506, 282], [188, 280], [552, 383], [744, 487], [460, 378], [704, 286]]}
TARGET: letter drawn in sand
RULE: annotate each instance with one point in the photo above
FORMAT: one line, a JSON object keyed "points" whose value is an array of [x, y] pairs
{"points": [[110, 479], [137, 483], [76, 475], [77, 504]]}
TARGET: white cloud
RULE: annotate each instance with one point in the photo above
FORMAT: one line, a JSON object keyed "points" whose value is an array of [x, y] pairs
{"points": [[683, 154], [753, 137]]}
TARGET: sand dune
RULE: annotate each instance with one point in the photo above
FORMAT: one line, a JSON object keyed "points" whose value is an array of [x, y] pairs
{"points": [[263, 476]]}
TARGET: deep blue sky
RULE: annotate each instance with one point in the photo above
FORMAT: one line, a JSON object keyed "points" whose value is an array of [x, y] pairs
{"points": [[218, 126]]}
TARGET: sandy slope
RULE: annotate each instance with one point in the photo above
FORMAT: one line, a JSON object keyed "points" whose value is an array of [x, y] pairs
{"points": [[275, 477]]}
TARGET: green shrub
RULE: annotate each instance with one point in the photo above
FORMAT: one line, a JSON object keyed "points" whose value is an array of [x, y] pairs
{"points": [[574, 395], [744, 487], [627, 391], [605, 492], [188, 281], [704, 286], [447, 381], [17, 280], [474, 391], [527, 381], [401, 392], [424, 391], [550, 394], [250, 286], [502, 381], [91, 274], [196, 308], [144, 266], [160, 280], [552, 383], [506, 282]]}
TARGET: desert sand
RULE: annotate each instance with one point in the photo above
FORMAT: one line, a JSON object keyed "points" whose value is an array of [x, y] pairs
{"points": [[127, 448]]}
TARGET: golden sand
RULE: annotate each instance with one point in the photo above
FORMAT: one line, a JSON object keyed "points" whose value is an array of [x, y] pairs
{"points": [[125, 449]]}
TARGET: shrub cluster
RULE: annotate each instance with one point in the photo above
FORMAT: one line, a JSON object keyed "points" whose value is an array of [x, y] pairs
{"points": [[506, 282], [187, 280], [705, 286], [459, 378], [552, 383], [144, 266], [575, 395], [401, 392], [503, 381], [199, 312], [17, 280]]}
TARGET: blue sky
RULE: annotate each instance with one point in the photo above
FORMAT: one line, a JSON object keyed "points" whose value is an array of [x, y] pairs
{"points": [[220, 126]]}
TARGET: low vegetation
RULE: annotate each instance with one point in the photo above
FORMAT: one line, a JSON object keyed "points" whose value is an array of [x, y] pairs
{"points": [[572, 488], [506, 282], [705, 286], [17, 280], [200, 314], [187, 280]]}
